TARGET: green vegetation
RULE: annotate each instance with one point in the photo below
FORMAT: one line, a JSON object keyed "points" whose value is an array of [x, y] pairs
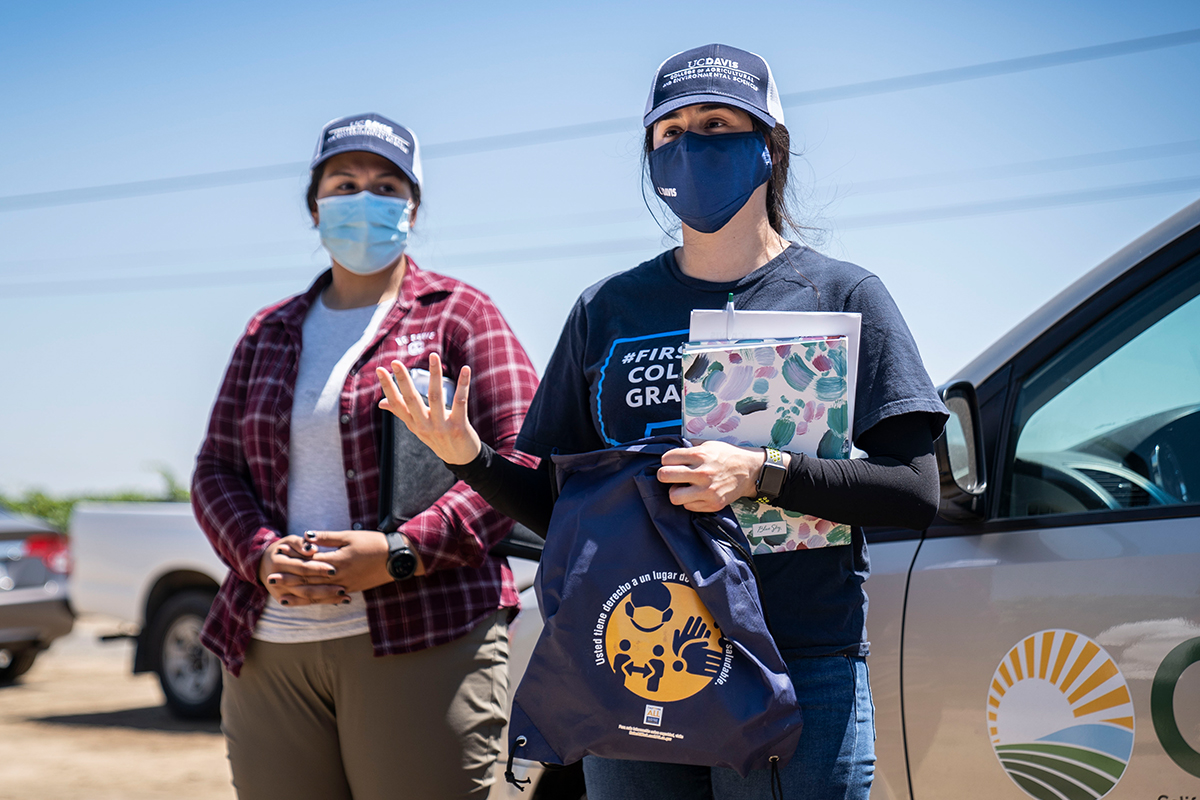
{"points": [[57, 510]]}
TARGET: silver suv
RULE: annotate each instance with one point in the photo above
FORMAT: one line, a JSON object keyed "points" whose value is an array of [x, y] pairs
{"points": [[1039, 638]]}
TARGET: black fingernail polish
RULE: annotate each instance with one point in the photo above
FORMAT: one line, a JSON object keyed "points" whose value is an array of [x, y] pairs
{"points": [[270, 580], [346, 602], [283, 602], [341, 592], [332, 572]]}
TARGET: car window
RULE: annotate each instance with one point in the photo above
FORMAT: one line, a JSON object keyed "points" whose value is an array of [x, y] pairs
{"points": [[1113, 420]]}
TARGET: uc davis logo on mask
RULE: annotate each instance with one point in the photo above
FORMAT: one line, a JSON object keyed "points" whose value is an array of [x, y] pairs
{"points": [[660, 640]]}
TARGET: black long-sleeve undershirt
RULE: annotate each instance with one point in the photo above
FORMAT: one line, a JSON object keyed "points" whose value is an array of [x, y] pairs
{"points": [[896, 485]]}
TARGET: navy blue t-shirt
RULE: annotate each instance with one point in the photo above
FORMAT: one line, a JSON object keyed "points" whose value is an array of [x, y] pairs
{"points": [[614, 377]]}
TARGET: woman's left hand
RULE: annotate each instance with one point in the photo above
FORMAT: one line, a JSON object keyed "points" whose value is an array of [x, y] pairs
{"points": [[711, 475], [360, 558]]}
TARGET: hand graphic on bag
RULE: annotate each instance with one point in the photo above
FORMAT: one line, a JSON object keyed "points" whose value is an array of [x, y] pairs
{"points": [[691, 645]]}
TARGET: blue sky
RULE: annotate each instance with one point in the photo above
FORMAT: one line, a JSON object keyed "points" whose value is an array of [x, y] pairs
{"points": [[107, 370]]}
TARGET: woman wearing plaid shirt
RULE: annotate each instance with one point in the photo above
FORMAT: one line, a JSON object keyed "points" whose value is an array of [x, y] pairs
{"points": [[341, 680]]}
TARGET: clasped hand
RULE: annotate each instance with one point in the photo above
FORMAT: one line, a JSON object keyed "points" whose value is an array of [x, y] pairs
{"points": [[709, 475], [297, 572]]}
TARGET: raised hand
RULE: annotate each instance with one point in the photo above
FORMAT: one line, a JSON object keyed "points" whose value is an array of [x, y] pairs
{"points": [[695, 628], [449, 435]]}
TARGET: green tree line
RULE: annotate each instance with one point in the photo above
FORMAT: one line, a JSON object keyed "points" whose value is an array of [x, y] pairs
{"points": [[57, 509]]}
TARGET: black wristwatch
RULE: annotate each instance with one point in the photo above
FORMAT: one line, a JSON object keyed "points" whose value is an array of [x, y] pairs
{"points": [[402, 561], [771, 477]]}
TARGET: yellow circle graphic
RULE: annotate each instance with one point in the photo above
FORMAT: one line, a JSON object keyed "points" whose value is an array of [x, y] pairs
{"points": [[663, 642]]}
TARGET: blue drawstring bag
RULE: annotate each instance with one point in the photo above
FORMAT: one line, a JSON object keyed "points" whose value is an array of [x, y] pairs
{"points": [[655, 645]]}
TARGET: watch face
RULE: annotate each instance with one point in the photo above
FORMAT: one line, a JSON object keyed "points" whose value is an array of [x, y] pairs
{"points": [[402, 564], [770, 481]]}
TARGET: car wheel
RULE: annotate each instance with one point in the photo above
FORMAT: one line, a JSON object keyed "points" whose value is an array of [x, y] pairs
{"points": [[562, 784], [190, 675], [15, 663]]}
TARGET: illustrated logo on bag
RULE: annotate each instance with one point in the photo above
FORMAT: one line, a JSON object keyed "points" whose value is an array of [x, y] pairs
{"points": [[655, 634]]}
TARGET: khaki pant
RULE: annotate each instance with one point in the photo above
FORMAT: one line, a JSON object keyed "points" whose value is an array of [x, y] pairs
{"points": [[328, 720]]}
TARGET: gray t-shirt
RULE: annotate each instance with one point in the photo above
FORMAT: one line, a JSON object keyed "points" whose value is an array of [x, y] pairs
{"points": [[317, 498], [614, 378]]}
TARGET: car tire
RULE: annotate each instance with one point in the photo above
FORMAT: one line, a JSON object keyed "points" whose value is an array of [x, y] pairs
{"points": [[19, 662], [565, 783], [189, 673]]}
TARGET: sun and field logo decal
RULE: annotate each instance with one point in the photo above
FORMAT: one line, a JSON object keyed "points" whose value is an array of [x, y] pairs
{"points": [[1060, 717]]}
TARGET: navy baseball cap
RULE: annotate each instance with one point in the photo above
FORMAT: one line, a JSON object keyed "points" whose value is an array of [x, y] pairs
{"points": [[374, 134], [715, 73]]}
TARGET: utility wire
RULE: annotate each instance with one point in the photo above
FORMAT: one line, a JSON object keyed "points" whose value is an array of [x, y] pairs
{"points": [[596, 218], [991, 69], [89, 286], [1020, 169], [562, 133], [200, 280], [1008, 206]]}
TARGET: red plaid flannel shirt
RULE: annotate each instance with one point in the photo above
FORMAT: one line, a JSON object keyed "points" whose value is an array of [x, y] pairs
{"points": [[239, 489]]}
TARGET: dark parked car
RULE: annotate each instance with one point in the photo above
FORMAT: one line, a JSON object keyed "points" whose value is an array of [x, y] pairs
{"points": [[35, 561]]}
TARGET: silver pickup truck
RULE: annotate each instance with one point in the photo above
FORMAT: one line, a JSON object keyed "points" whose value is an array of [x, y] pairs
{"points": [[1039, 639]]}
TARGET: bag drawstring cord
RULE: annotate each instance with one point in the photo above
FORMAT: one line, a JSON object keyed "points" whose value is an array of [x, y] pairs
{"points": [[508, 772], [776, 780]]}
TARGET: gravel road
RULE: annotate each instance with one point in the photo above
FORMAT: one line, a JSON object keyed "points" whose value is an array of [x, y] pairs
{"points": [[79, 726]]}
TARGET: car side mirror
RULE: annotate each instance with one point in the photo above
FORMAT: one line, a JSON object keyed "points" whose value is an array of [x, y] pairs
{"points": [[961, 463]]}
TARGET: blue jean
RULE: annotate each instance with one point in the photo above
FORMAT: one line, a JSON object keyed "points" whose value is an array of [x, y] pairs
{"points": [[834, 759]]}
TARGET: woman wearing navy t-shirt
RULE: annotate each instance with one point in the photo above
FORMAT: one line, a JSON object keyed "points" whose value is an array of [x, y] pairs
{"points": [[717, 152]]}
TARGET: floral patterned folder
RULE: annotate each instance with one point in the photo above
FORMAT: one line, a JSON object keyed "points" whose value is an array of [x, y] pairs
{"points": [[786, 393]]}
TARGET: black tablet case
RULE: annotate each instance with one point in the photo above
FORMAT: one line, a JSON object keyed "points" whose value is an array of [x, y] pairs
{"points": [[412, 478]]}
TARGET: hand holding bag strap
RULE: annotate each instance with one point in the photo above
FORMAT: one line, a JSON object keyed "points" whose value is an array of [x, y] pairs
{"points": [[692, 556]]}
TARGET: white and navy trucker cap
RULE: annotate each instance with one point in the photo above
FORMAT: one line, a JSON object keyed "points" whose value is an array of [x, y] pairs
{"points": [[374, 134], [715, 73]]}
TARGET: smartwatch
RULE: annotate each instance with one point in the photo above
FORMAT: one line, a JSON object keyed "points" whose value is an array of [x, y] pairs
{"points": [[771, 477], [401, 560]]}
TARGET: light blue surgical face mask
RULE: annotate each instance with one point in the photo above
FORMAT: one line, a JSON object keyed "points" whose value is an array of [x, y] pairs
{"points": [[363, 232]]}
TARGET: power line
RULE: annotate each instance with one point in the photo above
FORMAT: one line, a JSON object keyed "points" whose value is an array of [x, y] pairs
{"points": [[201, 280], [990, 207], [1019, 169], [602, 217], [562, 133], [991, 69], [88, 286]]}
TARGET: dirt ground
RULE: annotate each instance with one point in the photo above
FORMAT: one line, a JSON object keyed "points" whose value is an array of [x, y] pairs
{"points": [[80, 726]]}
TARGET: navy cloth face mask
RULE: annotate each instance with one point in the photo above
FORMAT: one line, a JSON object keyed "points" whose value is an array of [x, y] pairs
{"points": [[705, 180]]}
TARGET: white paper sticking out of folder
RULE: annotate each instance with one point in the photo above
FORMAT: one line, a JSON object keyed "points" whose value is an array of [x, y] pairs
{"points": [[728, 324]]}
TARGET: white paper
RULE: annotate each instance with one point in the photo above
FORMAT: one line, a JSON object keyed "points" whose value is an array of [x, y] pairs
{"points": [[709, 325]]}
